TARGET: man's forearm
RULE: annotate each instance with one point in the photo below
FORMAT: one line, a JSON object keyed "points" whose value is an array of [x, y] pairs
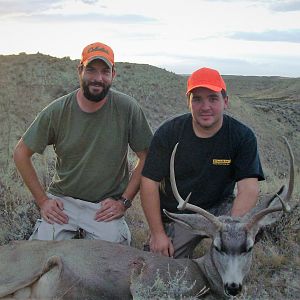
{"points": [[247, 197], [151, 205], [159, 241], [135, 179], [29, 175], [242, 206]]}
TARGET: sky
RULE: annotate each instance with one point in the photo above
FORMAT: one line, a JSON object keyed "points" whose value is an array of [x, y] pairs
{"points": [[251, 37]]}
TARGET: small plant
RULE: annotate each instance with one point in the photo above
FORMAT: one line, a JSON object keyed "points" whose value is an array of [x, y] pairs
{"points": [[176, 287]]}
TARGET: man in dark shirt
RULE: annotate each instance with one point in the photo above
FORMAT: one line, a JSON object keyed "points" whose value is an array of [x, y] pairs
{"points": [[215, 152]]}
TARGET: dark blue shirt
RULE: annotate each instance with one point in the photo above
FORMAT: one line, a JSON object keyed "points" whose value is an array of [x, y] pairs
{"points": [[207, 167]]}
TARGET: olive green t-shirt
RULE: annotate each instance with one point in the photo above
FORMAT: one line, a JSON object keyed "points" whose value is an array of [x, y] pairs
{"points": [[91, 148]]}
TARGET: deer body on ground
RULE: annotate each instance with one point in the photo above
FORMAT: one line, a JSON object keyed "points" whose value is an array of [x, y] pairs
{"points": [[82, 269], [94, 269]]}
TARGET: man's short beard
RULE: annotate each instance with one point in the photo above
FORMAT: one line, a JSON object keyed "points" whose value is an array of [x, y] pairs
{"points": [[94, 97]]}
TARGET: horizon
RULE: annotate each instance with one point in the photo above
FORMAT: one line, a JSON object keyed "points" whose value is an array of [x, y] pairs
{"points": [[249, 38], [171, 71]]}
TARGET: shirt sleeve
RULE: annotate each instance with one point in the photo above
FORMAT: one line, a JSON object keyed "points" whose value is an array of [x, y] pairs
{"points": [[40, 133], [158, 159], [247, 162], [140, 133]]}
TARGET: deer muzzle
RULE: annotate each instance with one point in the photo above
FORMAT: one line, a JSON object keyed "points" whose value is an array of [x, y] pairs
{"points": [[232, 289]]}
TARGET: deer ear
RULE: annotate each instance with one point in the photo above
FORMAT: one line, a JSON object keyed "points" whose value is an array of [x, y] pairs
{"points": [[195, 223]]}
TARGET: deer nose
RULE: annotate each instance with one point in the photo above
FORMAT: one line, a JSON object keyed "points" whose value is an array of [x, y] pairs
{"points": [[233, 288]]}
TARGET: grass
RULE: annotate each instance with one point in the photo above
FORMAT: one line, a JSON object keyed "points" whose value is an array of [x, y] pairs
{"points": [[175, 287]]}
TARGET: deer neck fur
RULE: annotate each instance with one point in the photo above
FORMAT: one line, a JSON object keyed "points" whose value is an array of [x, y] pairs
{"points": [[210, 275]]}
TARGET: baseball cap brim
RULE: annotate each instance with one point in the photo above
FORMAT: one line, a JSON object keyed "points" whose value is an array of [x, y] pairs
{"points": [[208, 86], [86, 62]]}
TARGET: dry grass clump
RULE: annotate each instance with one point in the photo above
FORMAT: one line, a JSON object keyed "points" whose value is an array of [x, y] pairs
{"points": [[175, 287], [17, 224], [17, 214], [137, 224]]}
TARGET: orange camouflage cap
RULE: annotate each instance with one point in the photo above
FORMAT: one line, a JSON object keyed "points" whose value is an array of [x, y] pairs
{"points": [[208, 78], [97, 51]]}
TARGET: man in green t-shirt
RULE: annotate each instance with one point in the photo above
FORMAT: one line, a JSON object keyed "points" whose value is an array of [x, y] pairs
{"points": [[90, 130]]}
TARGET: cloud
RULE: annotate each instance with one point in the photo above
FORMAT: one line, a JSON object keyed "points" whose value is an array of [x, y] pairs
{"points": [[29, 6], [285, 6], [290, 36], [267, 66], [274, 5], [37, 11], [92, 2], [90, 17], [17, 7], [262, 65], [89, 1]]}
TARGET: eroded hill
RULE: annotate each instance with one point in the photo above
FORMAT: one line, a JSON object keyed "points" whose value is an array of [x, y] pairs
{"points": [[270, 105]]}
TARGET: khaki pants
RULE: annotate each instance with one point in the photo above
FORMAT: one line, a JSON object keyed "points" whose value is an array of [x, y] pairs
{"points": [[81, 217]]}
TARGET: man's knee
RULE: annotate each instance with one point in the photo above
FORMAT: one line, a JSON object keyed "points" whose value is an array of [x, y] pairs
{"points": [[116, 231], [52, 232]]}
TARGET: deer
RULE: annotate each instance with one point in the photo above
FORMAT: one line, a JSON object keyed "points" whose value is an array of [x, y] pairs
{"points": [[95, 269]]}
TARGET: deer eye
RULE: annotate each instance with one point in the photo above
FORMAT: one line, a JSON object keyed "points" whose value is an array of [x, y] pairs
{"points": [[217, 248], [218, 245], [249, 246], [249, 249]]}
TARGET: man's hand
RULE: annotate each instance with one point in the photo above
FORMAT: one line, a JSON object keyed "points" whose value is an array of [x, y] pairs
{"points": [[110, 209], [161, 244], [52, 212]]}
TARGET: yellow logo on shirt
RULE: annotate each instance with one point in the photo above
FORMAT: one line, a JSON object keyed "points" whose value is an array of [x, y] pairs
{"points": [[222, 162]]}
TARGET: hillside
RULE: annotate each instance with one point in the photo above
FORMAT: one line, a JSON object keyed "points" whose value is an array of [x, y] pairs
{"points": [[269, 105]]}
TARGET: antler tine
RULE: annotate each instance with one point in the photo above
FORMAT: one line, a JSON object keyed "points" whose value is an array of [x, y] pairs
{"points": [[286, 194], [183, 204], [285, 206], [292, 172], [256, 218]]}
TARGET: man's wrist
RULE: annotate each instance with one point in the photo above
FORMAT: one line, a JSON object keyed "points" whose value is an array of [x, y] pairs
{"points": [[125, 201], [41, 201]]}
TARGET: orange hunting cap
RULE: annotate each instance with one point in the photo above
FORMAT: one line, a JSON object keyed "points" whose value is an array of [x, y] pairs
{"points": [[208, 78], [97, 51]]}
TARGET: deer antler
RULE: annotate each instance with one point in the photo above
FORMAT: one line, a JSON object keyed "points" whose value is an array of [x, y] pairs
{"points": [[287, 194], [257, 217], [285, 206], [183, 204], [292, 175]]}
